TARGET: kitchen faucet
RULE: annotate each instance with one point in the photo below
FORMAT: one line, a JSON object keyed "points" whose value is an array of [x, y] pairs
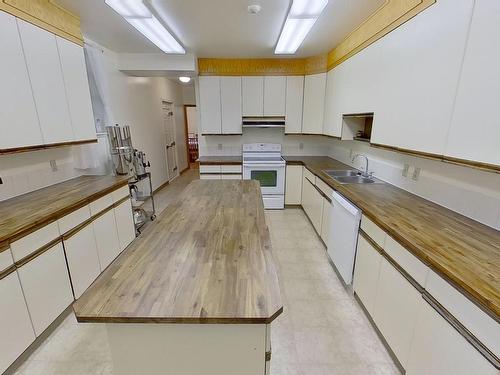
{"points": [[365, 173]]}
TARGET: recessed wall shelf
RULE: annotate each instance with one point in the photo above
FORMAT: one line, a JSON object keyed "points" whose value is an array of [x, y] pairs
{"points": [[357, 126]]}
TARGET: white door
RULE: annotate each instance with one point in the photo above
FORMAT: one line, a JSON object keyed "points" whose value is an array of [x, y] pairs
{"points": [[169, 133]]}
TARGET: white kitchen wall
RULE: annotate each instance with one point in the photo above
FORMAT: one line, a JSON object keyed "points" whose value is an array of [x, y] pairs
{"points": [[22, 173], [292, 144], [137, 102], [471, 192]]}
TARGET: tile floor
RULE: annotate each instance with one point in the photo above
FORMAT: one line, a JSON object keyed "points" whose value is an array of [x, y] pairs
{"points": [[322, 330]]}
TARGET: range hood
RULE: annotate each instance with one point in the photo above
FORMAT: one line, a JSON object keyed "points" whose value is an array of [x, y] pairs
{"points": [[263, 122]]}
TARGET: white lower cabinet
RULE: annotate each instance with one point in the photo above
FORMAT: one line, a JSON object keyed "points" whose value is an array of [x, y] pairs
{"points": [[16, 331], [125, 224], [438, 349], [46, 286], [293, 184], [312, 202], [106, 236], [210, 176], [366, 273], [395, 310], [83, 259], [325, 220]]}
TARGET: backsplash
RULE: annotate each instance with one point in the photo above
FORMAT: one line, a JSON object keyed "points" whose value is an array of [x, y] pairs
{"points": [[468, 191], [26, 172]]}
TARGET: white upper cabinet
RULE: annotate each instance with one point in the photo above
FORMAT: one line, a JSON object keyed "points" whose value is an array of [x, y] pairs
{"points": [[18, 118], [210, 105], [475, 131], [230, 88], [252, 89], [294, 103], [332, 122], [274, 96], [418, 67], [44, 67], [77, 89], [314, 100]]}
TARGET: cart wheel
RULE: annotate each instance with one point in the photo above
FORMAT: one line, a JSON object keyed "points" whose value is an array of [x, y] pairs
{"points": [[153, 217]]}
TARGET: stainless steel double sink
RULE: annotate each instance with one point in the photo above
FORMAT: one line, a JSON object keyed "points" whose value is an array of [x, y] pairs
{"points": [[351, 176]]}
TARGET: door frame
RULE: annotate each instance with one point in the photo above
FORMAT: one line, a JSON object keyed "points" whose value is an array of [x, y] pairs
{"points": [[186, 131], [167, 101]]}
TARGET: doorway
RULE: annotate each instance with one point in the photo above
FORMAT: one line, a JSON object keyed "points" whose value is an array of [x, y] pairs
{"points": [[191, 125], [169, 136]]}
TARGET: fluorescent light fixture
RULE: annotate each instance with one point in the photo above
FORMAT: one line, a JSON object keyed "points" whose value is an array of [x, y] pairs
{"points": [[139, 16], [301, 18], [184, 79]]}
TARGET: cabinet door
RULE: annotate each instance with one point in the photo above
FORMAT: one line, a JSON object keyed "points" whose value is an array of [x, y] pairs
{"points": [[312, 202], [230, 88], [366, 273], [77, 89], [325, 220], [252, 89], [333, 97], [210, 106], [294, 103], [106, 236], [46, 286], [293, 184], [475, 133], [44, 67], [125, 224], [274, 96], [395, 310], [16, 331], [83, 259], [18, 119], [314, 101], [438, 349]]}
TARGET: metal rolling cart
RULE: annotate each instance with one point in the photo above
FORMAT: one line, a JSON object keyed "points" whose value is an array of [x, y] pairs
{"points": [[141, 189]]}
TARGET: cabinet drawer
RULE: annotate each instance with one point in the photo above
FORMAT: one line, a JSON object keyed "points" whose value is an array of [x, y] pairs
{"points": [[101, 204], [230, 168], [74, 219], [310, 176], [231, 177], [414, 267], [373, 231], [327, 190], [5, 258], [34, 241], [210, 176], [210, 168], [120, 193], [465, 311]]}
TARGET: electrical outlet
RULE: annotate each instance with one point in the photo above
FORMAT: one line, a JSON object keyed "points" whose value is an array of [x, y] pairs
{"points": [[416, 174], [301, 146], [406, 168], [53, 165], [219, 146]]}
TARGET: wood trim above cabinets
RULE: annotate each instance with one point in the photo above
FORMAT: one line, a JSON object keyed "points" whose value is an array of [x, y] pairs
{"points": [[46, 15], [18, 150]]}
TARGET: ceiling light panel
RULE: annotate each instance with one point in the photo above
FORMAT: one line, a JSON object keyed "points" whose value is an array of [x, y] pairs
{"points": [[140, 17], [300, 19]]}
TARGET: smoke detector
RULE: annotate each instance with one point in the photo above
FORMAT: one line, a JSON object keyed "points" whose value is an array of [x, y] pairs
{"points": [[254, 8]]}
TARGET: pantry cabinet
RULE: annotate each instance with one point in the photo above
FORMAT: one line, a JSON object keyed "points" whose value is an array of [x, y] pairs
{"points": [[210, 105], [274, 95], [16, 331], [293, 104], [314, 100], [475, 133], [77, 89], [293, 184], [230, 88], [437, 348], [44, 68], [46, 286], [252, 89], [19, 125]]}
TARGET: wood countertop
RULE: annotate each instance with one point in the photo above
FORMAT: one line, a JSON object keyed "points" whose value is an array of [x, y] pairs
{"points": [[461, 250], [21, 215], [220, 160], [206, 259]]}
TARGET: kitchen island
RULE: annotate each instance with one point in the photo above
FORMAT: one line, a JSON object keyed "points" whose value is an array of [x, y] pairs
{"points": [[197, 292]]}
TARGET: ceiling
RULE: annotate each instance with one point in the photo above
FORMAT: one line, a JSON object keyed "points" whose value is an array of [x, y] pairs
{"points": [[221, 28]]}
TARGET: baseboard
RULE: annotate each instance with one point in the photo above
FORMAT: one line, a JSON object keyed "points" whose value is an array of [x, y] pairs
{"points": [[160, 187]]}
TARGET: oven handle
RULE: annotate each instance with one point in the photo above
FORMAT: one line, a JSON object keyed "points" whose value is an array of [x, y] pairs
{"points": [[264, 165]]}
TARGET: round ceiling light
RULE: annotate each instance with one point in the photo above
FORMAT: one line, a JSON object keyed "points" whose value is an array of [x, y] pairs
{"points": [[254, 8], [184, 79]]}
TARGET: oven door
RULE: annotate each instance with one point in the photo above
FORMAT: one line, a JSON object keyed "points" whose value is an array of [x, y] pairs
{"points": [[271, 177]]}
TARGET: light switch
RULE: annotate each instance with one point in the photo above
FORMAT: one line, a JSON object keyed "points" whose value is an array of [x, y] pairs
{"points": [[406, 168], [53, 165]]}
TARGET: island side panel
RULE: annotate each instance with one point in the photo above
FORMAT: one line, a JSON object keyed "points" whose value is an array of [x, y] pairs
{"points": [[188, 349]]}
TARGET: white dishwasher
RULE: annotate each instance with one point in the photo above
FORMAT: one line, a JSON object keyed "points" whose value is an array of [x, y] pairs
{"points": [[343, 236]]}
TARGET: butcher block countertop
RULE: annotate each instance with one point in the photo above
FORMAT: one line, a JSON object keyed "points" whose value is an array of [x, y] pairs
{"points": [[220, 160], [22, 215], [206, 259], [461, 250]]}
